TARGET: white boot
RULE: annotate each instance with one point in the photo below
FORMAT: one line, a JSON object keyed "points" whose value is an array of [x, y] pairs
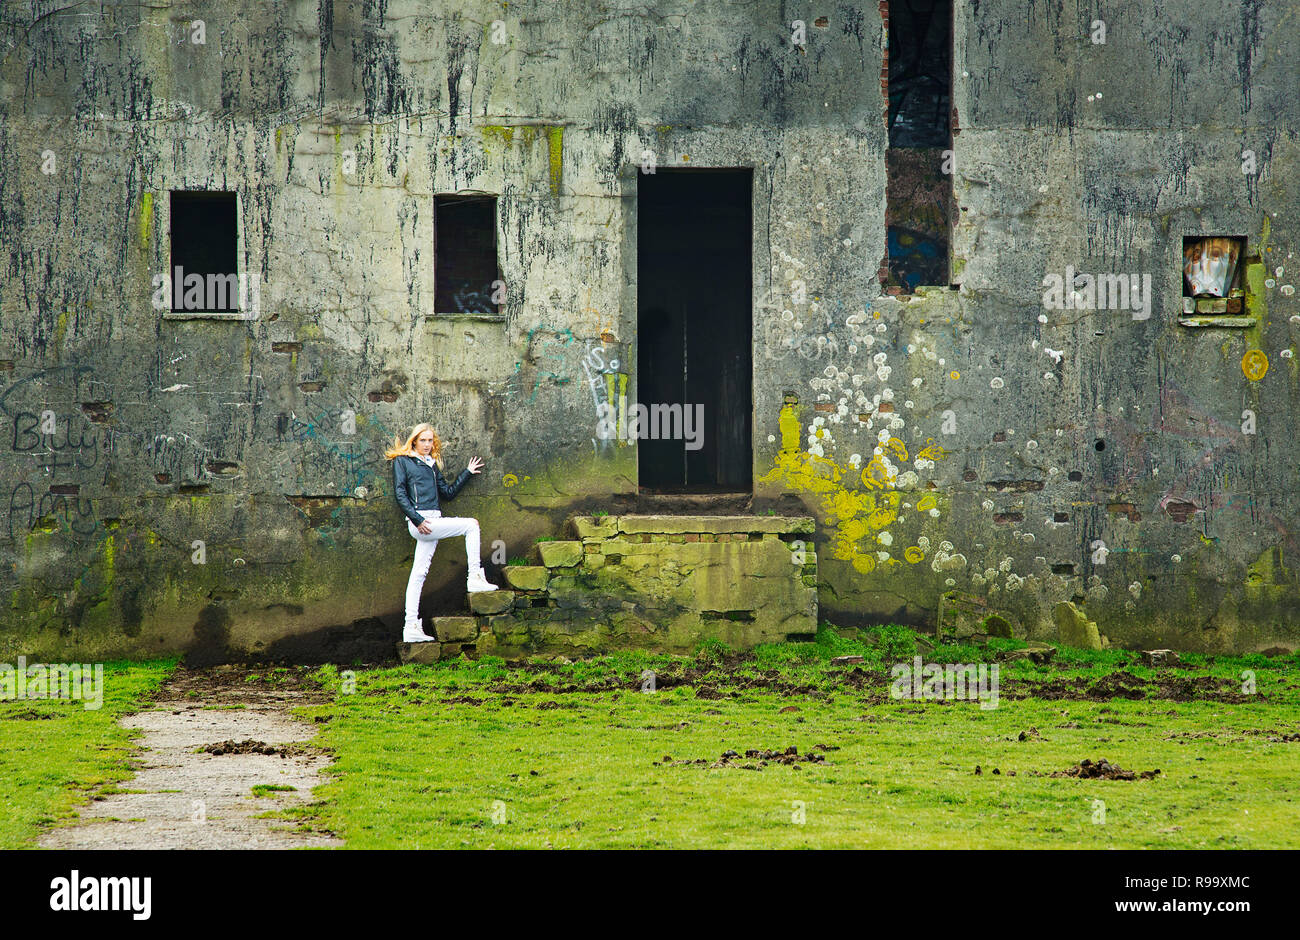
{"points": [[414, 633], [477, 582]]}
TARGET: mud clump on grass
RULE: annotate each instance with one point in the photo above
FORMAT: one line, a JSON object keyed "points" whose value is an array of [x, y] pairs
{"points": [[1103, 770], [1126, 685], [249, 746], [29, 714], [758, 758]]}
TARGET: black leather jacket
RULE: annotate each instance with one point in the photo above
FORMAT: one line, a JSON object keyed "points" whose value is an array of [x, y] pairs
{"points": [[417, 485]]}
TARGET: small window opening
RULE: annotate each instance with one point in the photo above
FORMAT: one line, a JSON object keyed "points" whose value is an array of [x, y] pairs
{"points": [[1214, 274], [919, 160], [204, 239], [467, 278]]}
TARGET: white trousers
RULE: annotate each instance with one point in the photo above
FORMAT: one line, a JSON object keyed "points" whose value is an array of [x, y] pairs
{"points": [[425, 545]]}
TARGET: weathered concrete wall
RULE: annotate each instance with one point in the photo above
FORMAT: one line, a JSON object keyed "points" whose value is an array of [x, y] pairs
{"points": [[336, 122]]}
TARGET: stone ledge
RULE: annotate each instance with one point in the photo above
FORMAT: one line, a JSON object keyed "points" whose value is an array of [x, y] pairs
{"points": [[586, 527], [717, 525]]}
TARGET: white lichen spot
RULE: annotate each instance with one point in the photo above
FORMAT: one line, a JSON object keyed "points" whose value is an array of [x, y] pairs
{"points": [[1014, 581], [934, 513], [885, 538], [923, 544], [916, 383], [883, 556], [1031, 445], [1175, 558], [950, 582], [988, 505], [946, 562], [1042, 318], [1135, 589], [996, 382], [1005, 565], [771, 438]]}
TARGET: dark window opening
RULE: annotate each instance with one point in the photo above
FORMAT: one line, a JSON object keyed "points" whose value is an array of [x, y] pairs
{"points": [[918, 162], [1214, 274], [204, 239], [694, 325], [466, 276]]}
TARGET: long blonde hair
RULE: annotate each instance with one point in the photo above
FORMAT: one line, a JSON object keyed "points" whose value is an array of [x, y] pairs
{"points": [[407, 448]]}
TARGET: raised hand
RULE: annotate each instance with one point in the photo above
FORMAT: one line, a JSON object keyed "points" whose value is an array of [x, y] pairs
{"points": [[475, 465]]}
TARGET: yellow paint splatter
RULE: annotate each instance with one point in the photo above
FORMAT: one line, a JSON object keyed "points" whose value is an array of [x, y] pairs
{"points": [[852, 515], [954, 375], [913, 554], [509, 480], [1254, 364], [932, 451]]}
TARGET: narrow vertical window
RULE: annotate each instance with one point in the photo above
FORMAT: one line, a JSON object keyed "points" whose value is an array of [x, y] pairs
{"points": [[918, 161], [467, 278], [204, 238]]}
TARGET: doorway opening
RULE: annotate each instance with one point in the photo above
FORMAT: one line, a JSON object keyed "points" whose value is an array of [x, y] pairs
{"points": [[694, 325]]}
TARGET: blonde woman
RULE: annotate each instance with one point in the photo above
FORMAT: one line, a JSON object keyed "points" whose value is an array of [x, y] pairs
{"points": [[418, 484]]}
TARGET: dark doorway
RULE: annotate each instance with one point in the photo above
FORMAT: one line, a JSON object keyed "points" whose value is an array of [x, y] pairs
{"points": [[694, 320]]}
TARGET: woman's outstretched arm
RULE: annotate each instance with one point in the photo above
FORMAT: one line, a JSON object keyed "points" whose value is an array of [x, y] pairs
{"points": [[449, 492]]}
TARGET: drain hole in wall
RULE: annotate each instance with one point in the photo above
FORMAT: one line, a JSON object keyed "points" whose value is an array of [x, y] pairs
{"points": [[1099, 444]]}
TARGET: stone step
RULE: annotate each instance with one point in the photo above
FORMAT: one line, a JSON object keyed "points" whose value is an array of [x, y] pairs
{"points": [[419, 652]]}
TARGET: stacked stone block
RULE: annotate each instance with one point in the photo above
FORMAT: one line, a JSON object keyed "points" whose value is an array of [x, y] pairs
{"points": [[653, 582]]}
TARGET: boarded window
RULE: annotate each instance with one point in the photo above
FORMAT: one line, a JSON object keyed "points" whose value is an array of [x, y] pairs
{"points": [[466, 276]]}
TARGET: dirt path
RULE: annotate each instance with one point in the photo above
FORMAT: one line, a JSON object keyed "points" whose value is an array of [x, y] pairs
{"points": [[205, 800]]}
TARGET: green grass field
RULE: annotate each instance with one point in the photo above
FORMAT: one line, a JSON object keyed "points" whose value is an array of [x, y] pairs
{"points": [[484, 754], [52, 751]]}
